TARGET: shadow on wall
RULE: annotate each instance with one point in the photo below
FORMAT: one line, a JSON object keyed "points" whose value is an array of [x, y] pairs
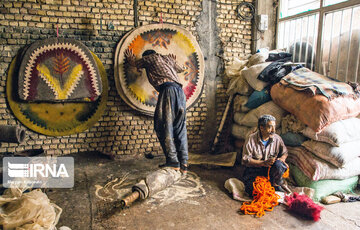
{"points": [[88, 24]]}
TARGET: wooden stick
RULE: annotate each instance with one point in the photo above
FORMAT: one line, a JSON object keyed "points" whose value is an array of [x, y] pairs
{"points": [[216, 140]]}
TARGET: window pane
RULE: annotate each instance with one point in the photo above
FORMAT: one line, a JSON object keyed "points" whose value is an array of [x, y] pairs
{"points": [[332, 2], [298, 37], [292, 7], [340, 49]]}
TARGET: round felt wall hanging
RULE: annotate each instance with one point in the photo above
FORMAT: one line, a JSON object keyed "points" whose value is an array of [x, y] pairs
{"points": [[134, 87], [56, 119]]}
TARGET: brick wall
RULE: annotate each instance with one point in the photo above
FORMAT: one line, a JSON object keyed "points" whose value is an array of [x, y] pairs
{"points": [[235, 35], [100, 25]]}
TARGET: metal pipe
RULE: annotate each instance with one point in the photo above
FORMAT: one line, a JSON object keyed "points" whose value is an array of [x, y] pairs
{"points": [[127, 201], [314, 48], [331, 39], [12, 134], [339, 45], [307, 41], [319, 43], [276, 26], [294, 41], [136, 18], [301, 34], [349, 42], [357, 62], [287, 35]]}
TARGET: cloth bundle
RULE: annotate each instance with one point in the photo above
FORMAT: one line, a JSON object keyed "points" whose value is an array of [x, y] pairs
{"points": [[290, 123], [305, 79]]}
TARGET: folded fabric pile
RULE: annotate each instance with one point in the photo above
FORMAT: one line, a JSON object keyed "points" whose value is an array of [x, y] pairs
{"points": [[317, 116]]}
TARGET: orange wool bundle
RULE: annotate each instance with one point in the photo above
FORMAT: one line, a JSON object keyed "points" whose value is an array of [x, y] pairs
{"points": [[286, 173], [265, 198]]}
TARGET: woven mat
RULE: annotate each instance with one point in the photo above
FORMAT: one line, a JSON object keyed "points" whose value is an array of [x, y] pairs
{"points": [[225, 159]]}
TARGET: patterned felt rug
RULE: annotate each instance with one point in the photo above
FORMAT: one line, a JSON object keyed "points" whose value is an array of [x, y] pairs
{"points": [[134, 88], [58, 69], [56, 119]]}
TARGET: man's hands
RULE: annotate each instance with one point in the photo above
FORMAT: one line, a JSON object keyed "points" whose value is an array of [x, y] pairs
{"points": [[130, 57], [178, 68], [173, 56], [283, 160], [269, 162]]}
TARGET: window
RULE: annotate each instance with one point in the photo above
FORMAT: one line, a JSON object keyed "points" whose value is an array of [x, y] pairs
{"points": [[292, 7], [324, 35]]}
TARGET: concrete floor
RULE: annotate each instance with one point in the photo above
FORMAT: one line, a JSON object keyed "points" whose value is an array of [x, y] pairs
{"points": [[203, 204]]}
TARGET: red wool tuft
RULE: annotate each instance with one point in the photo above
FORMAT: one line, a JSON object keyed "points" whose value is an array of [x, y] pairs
{"points": [[189, 90], [304, 206]]}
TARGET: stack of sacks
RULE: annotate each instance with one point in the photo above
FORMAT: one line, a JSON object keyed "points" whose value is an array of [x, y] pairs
{"points": [[247, 122], [330, 161], [291, 129], [328, 108], [249, 105], [324, 165], [238, 86]]}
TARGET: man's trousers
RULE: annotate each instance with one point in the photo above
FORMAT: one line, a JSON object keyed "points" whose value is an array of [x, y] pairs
{"points": [[276, 172], [170, 123]]}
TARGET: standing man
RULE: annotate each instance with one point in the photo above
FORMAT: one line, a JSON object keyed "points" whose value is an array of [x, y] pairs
{"points": [[170, 112], [264, 149]]}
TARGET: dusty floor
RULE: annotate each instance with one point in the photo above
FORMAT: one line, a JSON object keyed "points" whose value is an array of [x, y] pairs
{"points": [[204, 204]]}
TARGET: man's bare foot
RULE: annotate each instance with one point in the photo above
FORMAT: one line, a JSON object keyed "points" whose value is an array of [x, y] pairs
{"points": [[177, 168], [184, 169]]}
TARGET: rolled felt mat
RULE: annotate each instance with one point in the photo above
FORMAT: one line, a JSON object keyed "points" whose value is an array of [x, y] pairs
{"points": [[153, 183], [12, 134]]}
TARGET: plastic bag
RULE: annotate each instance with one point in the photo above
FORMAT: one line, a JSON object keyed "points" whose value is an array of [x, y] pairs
{"points": [[31, 210]]}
